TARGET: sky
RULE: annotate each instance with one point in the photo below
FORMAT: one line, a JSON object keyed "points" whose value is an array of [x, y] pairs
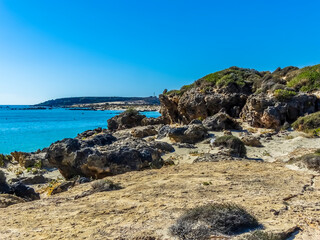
{"points": [[53, 49]]}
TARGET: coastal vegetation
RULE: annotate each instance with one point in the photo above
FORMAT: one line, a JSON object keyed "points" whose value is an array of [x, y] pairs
{"points": [[213, 219], [308, 124]]}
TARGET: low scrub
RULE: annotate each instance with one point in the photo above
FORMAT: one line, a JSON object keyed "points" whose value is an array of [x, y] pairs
{"points": [[213, 219], [233, 143], [284, 95], [307, 80], [310, 161], [308, 124]]}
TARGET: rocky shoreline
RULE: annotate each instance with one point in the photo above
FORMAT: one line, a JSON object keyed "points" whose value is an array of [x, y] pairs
{"points": [[230, 138]]}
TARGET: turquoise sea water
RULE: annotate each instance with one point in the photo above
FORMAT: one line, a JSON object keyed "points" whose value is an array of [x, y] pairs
{"points": [[30, 130]]}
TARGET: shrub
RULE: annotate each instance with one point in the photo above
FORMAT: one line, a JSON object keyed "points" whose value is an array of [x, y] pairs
{"points": [[308, 124], [311, 161], [213, 219], [236, 146], [308, 79], [284, 95], [131, 111]]}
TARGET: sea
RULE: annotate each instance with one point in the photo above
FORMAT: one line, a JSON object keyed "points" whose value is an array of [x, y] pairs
{"points": [[27, 130]]}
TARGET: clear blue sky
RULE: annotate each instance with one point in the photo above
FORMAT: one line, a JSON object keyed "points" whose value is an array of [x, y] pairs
{"points": [[62, 48]]}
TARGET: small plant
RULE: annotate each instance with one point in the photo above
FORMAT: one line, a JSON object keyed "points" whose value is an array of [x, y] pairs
{"points": [[308, 124], [38, 164], [266, 154], [207, 183], [236, 146], [307, 80], [284, 95], [213, 219]]}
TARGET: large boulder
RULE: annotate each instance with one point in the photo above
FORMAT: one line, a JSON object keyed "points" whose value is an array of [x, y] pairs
{"points": [[128, 119], [220, 121], [188, 134], [234, 145], [75, 157], [267, 111], [9, 199], [141, 132]]}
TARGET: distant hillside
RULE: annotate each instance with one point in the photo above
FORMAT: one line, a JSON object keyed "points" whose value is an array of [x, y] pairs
{"points": [[61, 102]]}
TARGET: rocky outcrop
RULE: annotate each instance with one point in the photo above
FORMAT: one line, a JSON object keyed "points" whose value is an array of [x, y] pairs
{"points": [[263, 110], [127, 119], [251, 141], [234, 146], [263, 99], [98, 159], [18, 189], [220, 121], [188, 134], [141, 132], [197, 105]]}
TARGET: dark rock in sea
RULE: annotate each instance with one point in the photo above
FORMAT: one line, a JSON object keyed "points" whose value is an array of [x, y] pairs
{"points": [[188, 134], [220, 121]]}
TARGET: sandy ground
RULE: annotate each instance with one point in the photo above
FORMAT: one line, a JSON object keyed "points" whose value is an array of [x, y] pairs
{"points": [[281, 196], [152, 200]]}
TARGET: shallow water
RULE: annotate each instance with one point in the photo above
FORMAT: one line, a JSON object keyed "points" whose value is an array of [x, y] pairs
{"points": [[30, 130]]}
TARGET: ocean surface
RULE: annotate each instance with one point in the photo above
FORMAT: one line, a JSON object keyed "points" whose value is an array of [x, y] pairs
{"points": [[30, 130]]}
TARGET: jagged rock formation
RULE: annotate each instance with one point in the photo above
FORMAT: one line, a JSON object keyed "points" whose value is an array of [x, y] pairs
{"points": [[266, 111], [103, 155], [262, 99], [220, 121]]}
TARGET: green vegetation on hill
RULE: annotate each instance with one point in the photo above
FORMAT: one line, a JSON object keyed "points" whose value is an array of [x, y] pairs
{"points": [[309, 123], [308, 79], [284, 95], [89, 100], [232, 75]]}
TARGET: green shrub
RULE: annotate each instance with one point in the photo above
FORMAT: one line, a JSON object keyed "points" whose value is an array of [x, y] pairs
{"points": [[308, 124], [236, 146], [307, 80], [213, 219], [284, 95]]}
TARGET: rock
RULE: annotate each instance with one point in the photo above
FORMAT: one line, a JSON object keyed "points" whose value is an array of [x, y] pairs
{"points": [[153, 121], [4, 187], [163, 131], [188, 134], [213, 158], [90, 133], [185, 145], [99, 140], [102, 185], [37, 179], [266, 111], [72, 157], [220, 121], [196, 121], [163, 147], [234, 144], [63, 187], [127, 119], [227, 133], [251, 141], [9, 199], [25, 192], [141, 132]]}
